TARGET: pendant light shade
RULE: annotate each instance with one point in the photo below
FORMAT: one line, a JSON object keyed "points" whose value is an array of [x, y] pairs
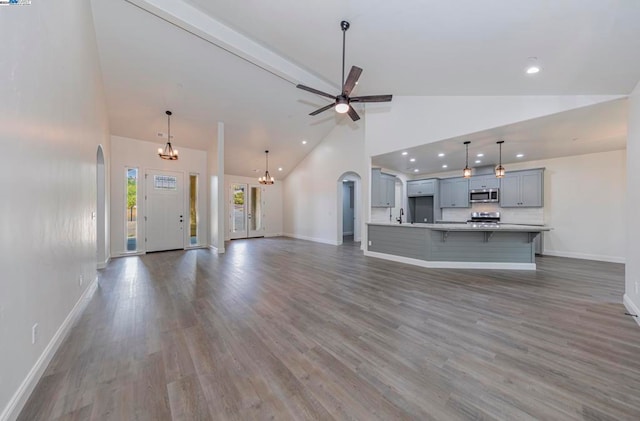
{"points": [[266, 179], [466, 173], [500, 168], [168, 152]]}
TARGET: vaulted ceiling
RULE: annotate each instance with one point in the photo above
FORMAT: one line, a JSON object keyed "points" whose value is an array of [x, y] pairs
{"points": [[238, 61]]}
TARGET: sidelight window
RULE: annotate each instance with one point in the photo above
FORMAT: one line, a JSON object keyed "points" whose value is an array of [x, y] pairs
{"points": [[131, 209]]}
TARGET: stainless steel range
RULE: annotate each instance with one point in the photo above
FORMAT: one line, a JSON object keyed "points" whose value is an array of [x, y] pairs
{"points": [[484, 218]]}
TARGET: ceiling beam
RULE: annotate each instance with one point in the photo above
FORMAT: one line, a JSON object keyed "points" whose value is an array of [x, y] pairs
{"points": [[203, 26]]}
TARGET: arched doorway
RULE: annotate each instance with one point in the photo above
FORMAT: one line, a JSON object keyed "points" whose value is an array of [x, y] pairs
{"points": [[349, 212], [101, 206]]}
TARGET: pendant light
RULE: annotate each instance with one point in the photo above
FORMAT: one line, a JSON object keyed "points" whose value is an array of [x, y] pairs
{"points": [[266, 179], [168, 152], [500, 168], [466, 173]]}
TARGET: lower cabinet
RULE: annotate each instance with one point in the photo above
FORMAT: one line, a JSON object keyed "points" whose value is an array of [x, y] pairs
{"points": [[454, 193], [520, 189], [383, 189]]}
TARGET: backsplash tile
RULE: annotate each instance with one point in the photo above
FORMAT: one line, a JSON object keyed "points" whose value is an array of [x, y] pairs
{"points": [[533, 216]]}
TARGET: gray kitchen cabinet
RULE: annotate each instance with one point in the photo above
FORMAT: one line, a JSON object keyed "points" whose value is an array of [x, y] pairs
{"points": [[454, 193], [422, 187], [383, 189], [489, 181], [520, 189]]}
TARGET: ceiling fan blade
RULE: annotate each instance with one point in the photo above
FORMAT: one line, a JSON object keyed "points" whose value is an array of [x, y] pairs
{"points": [[372, 98], [353, 114], [319, 110], [351, 81], [315, 91]]}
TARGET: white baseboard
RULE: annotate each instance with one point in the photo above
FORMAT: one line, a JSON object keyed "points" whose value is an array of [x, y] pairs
{"points": [[631, 307], [18, 400], [219, 250], [314, 239], [584, 256], [102, 265], [451, 265]]}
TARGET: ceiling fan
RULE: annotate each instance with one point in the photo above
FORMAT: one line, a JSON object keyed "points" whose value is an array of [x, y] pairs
{"points": [[342, 102]]}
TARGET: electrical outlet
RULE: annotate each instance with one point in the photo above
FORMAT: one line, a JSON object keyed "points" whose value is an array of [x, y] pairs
{"points": [[637, 286], [80, 280], [34, 334], [369, 242]]}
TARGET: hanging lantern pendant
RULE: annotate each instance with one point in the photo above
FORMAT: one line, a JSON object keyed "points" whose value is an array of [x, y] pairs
{"points": [[500, 169], [168, 152], [466, 173]]}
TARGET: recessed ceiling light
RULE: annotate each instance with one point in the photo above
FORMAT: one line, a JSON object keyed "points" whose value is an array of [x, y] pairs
{"points": [[304, 142], [445, 166], [440, 154], [405, 153], [279, 168], [412, 160], [345, 181], [480, 155], [520, 155], [533, 66], [416, 170], [478, 161]]}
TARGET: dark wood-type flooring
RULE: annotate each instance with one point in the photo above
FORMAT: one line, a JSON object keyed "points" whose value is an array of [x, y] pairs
{"points": [[285, 329]]}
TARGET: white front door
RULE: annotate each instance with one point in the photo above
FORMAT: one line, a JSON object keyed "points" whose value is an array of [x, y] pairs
{"points": [[246, 211], [164, 210]]}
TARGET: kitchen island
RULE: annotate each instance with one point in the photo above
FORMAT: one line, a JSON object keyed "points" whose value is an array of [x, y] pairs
{"points": [[457, 245]]}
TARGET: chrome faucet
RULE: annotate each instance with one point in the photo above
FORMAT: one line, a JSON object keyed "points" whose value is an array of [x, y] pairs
{"points": [[399, 219]]}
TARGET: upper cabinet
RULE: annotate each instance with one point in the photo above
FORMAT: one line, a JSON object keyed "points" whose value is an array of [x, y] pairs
{"points": [[522, 189], [383, 189], [454, 193], [422, 187], [489, 181]]}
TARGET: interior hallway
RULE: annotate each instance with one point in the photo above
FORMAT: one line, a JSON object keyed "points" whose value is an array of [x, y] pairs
{"points": [[279, 328]]}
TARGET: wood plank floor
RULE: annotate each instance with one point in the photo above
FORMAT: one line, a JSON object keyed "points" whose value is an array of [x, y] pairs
{"points": [[284, 329]]}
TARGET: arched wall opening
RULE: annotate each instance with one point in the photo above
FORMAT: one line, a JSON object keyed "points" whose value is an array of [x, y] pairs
{"points": [[349, 193]]}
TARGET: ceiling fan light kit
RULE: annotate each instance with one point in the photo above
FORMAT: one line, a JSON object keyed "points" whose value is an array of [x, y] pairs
{"points": [[342, 106], [168, 152], [342, 102]]}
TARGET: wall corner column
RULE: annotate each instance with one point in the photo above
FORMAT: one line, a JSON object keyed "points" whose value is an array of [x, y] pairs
{"points": [[632, 272]]}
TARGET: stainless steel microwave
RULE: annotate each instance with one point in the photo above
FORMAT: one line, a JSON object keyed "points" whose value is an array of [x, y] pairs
{"points": [[484, 195]]}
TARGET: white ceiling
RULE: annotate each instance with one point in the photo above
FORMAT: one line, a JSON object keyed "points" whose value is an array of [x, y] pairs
{"points": [[462, 47], [597, 128]]}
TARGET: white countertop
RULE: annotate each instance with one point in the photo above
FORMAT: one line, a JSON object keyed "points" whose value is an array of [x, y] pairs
{"points": [[468, 227]]}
